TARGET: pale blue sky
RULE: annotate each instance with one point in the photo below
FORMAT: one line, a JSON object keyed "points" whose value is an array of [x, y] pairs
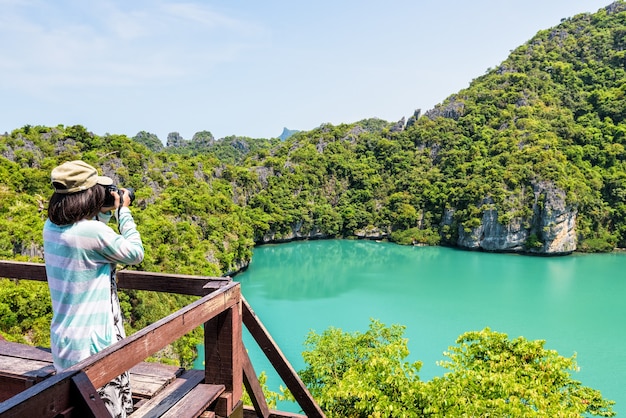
{"points": [[250, 67]]}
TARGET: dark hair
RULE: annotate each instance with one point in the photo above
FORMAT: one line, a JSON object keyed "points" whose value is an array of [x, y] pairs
{"points": [[66, 209]]}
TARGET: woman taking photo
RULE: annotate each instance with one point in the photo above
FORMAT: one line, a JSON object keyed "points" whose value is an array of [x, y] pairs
{"points": [[81, 252]]}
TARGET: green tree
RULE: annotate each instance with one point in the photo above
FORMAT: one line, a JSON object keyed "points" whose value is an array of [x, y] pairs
{"points": [[150, 140], [491, 375], [363, 374], [366, 375], [25, 312], [272, 398]]}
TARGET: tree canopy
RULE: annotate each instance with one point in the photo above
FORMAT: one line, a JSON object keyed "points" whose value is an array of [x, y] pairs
{"points": [[367, 375]]}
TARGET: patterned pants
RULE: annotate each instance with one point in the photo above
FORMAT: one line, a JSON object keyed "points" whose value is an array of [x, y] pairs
{"points": [[116, 394]]}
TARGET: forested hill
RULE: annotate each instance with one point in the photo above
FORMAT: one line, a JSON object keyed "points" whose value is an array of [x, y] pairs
{"points": [[529, 158]]}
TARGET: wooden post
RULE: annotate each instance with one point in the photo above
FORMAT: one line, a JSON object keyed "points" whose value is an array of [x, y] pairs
{"points": [[223, 358], [251, 382], [280, 363], [92, 404]]}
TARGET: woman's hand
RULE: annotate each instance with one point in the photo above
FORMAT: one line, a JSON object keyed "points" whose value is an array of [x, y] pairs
{"points": [[126, 198], [116, 196]]}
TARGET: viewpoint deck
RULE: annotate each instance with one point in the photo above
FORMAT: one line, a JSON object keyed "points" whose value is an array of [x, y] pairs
{"points": [[22, 366], [29, 385]]}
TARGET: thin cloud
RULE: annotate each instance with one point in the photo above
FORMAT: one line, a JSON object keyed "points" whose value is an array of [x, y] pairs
{"points": [[114, 44], [207, 18]]}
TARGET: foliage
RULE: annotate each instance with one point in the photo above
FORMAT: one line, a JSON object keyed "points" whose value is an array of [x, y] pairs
{"points": [[150, 141], [491, 375], [185, 347], [272, 398], [25, 312], [551, 113], [362, 374], [188, 226], [365, 375], [229, 150], [416, 236]]}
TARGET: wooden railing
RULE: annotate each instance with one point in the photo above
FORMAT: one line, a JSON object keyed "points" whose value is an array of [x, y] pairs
{"points": [[221, 309]]}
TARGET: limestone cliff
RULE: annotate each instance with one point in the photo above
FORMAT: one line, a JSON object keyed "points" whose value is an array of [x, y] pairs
{"points": [[296, 232], [549, 229]]}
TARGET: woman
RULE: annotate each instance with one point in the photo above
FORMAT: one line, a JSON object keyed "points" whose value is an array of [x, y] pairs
{"points": [[81, 253]]}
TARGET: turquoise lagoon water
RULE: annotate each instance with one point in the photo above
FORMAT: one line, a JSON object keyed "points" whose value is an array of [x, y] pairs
{"points": [[575, 303]]}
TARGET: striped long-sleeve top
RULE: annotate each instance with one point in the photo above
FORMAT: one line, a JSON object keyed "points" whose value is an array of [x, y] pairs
{"points": [[79, 260]]}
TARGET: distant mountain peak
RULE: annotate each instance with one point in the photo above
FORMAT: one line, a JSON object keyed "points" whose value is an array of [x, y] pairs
{"points": [[287, 133]]}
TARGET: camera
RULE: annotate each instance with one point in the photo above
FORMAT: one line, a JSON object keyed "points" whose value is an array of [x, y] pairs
{"points": [[109, 199]]}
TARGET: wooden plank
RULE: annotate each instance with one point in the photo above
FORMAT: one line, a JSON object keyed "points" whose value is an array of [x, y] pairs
{"points": [[25, 368], [11, 386], [22, 270], [280, 362], [92, 403], [25, 351], [223, 349], [127, 279], [148, 379], [70, 412], [22, 366], [195, 402], [52, 396], [170, 283], [47, 399], [156, 369], [253, 387], [158, 405], [147, 386], [121, 356]]}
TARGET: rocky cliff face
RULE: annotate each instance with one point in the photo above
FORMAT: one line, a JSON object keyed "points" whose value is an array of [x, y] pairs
{"points": [[549, 230], [174, 139], [295, 233], [491, 235]]}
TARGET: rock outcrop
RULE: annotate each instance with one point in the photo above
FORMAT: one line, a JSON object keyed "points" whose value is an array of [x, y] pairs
{"points": [[549, 230], [491, 235], [175, 140], [295, 233], [371, 232]]}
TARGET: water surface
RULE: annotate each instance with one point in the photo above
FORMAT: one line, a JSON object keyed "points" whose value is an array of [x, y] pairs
{"points": [[575, 303]]}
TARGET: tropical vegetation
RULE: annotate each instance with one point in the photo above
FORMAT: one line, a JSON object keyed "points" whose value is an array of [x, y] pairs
{"points": [[553, 112], [488, 375]]}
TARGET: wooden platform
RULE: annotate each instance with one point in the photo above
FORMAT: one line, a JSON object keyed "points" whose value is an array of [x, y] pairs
{"points": [[159, 390], [30, 387], [21, 367]]}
